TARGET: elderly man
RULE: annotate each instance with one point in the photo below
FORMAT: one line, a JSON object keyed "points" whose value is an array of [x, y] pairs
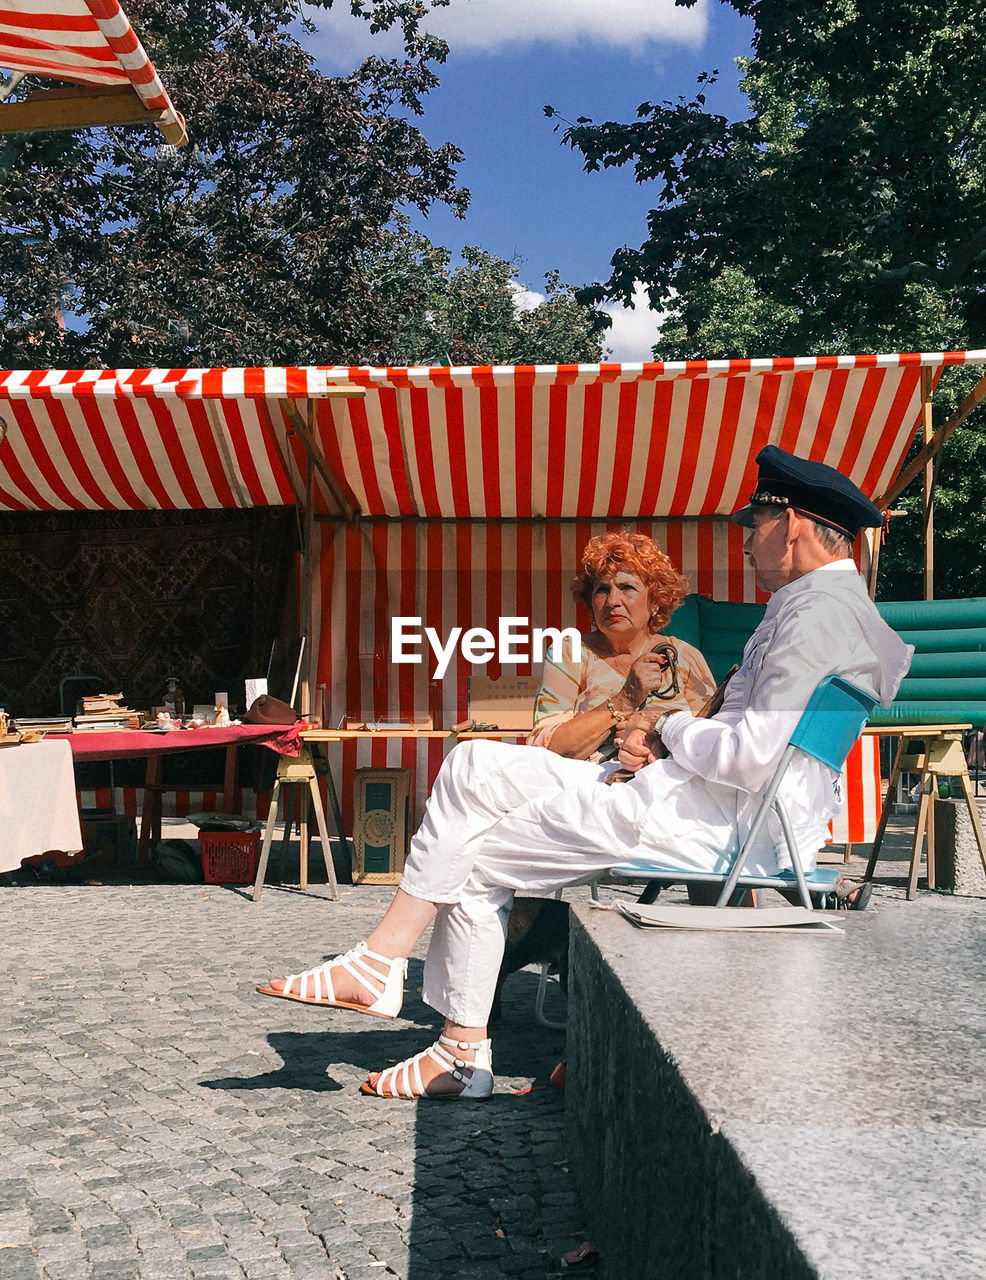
{"points": [[503, 819]]}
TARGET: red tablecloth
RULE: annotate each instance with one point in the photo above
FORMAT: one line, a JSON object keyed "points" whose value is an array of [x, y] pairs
{"points": [[121, 744]]}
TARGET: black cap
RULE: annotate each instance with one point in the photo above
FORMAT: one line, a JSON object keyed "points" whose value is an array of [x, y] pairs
{"points": [[812, 489]]}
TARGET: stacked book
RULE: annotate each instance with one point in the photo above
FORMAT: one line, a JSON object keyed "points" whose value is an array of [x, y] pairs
{"points": [[43, 724], [104, 711]]}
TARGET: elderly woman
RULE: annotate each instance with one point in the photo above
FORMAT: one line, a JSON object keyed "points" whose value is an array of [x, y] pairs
{"points": [[630, 588]]}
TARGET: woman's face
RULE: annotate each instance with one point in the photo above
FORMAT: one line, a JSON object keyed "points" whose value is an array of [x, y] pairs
{"points": [[621, 604]]}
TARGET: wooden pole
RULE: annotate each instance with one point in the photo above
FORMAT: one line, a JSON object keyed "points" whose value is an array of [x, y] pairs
{"points": [[874, 562], [306, 586], [84, 107], [928, 535], [305, 427]]}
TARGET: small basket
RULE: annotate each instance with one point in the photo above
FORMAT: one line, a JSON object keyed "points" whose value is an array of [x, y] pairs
{"points": [[229, 857]]}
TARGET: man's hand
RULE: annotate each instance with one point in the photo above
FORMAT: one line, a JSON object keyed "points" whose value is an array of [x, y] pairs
{"points": [[640, 748], [646, 718]]}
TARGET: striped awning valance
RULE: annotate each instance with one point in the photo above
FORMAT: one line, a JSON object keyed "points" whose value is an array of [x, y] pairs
{"points": [[513, 443], [87, 42]]}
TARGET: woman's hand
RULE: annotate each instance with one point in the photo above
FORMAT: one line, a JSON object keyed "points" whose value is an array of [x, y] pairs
{"points": [[579, 737], [647, 673]]}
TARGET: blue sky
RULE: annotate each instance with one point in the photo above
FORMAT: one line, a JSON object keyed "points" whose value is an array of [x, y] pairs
{"points": [[531, 201]]}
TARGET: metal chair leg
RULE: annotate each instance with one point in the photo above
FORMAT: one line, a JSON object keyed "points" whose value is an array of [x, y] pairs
{"points": [[539, 1003], [539, 1013]]}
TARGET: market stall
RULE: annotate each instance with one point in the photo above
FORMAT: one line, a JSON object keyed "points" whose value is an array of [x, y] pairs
{"points": [[457, 496]]}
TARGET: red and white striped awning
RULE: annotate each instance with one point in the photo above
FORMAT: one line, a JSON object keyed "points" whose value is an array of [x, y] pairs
{"points": [[673, 440], [87, 42]]}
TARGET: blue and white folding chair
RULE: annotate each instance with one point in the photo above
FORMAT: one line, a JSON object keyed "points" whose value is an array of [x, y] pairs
{"points": [[831, 723]]}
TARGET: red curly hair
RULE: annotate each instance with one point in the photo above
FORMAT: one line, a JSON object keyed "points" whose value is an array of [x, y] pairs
{"points": [[640, 555]]}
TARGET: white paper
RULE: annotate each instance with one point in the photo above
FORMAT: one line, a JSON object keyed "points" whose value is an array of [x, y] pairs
{"points": [[254, 688], [788, 919]]}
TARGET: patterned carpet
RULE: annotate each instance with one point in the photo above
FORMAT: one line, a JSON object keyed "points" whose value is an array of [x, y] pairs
{"points": [[130, 598]]}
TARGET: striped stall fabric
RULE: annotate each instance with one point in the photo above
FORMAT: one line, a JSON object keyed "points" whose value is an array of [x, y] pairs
{"points": [[82, 42], [127, 800], [662, 439], [460, 496]]}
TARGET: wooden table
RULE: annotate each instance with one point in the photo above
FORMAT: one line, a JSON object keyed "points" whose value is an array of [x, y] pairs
{"points": [[941, 756], [123, 744]]}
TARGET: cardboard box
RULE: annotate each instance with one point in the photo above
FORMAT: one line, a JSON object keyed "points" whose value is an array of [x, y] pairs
{"points": [[508, 702], [107, 837]]}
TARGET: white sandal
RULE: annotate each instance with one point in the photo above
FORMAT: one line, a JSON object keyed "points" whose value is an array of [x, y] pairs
{"points": [[315, 986], [404, 1079]]}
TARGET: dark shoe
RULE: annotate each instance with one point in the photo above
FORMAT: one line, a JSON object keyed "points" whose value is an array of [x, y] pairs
{"points": [[853, 897]]}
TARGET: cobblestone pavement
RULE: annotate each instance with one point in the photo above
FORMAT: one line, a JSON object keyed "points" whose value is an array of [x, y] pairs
{"points": [[160, 1120]]}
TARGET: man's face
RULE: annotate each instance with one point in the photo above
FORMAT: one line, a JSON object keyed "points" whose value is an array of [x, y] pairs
{"points": [[769, 549]]}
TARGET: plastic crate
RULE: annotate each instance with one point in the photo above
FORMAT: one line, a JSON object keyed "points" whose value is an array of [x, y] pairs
{"points": [[229, 857]]}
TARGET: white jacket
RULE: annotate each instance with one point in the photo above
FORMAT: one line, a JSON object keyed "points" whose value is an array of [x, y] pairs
{"points": [[702, 801]]}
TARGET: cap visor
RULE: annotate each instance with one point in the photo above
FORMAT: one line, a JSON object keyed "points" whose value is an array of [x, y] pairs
{"points": [[744, 517]]}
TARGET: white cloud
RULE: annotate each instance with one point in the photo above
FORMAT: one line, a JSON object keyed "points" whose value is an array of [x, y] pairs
{"points": [[633, 334], [525, 299], [496, 25], [634, 331]]}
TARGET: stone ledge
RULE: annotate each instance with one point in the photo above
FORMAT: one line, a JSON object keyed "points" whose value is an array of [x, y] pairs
{"points": [[779, 1107]]}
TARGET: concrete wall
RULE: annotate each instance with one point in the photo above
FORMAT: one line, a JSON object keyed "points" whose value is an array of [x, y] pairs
{"points": [[664, 1192], [761, 1105]]}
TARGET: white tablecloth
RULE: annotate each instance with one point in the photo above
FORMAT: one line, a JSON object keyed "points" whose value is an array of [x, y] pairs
{"points": [[38, 808]]}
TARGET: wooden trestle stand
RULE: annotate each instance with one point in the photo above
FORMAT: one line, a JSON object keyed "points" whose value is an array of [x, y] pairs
{"points": [[942, 757], [300, 771]]}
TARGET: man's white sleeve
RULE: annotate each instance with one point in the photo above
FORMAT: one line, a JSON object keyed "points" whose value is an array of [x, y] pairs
{"points": [[742, 746]]}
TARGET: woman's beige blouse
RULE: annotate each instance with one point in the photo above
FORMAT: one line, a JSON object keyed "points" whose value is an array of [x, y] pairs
{"points": [[568, 687]]}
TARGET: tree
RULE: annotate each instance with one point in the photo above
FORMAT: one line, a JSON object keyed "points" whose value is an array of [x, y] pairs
{"points": [[475, 313], [849, 207], [847, 213], [249, 245]]}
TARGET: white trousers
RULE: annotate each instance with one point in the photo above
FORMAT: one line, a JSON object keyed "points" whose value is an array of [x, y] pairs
{"points": [[502, 819]]}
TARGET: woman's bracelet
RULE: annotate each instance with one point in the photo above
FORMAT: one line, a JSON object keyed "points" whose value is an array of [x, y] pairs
{"points": [[611, 708]]}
